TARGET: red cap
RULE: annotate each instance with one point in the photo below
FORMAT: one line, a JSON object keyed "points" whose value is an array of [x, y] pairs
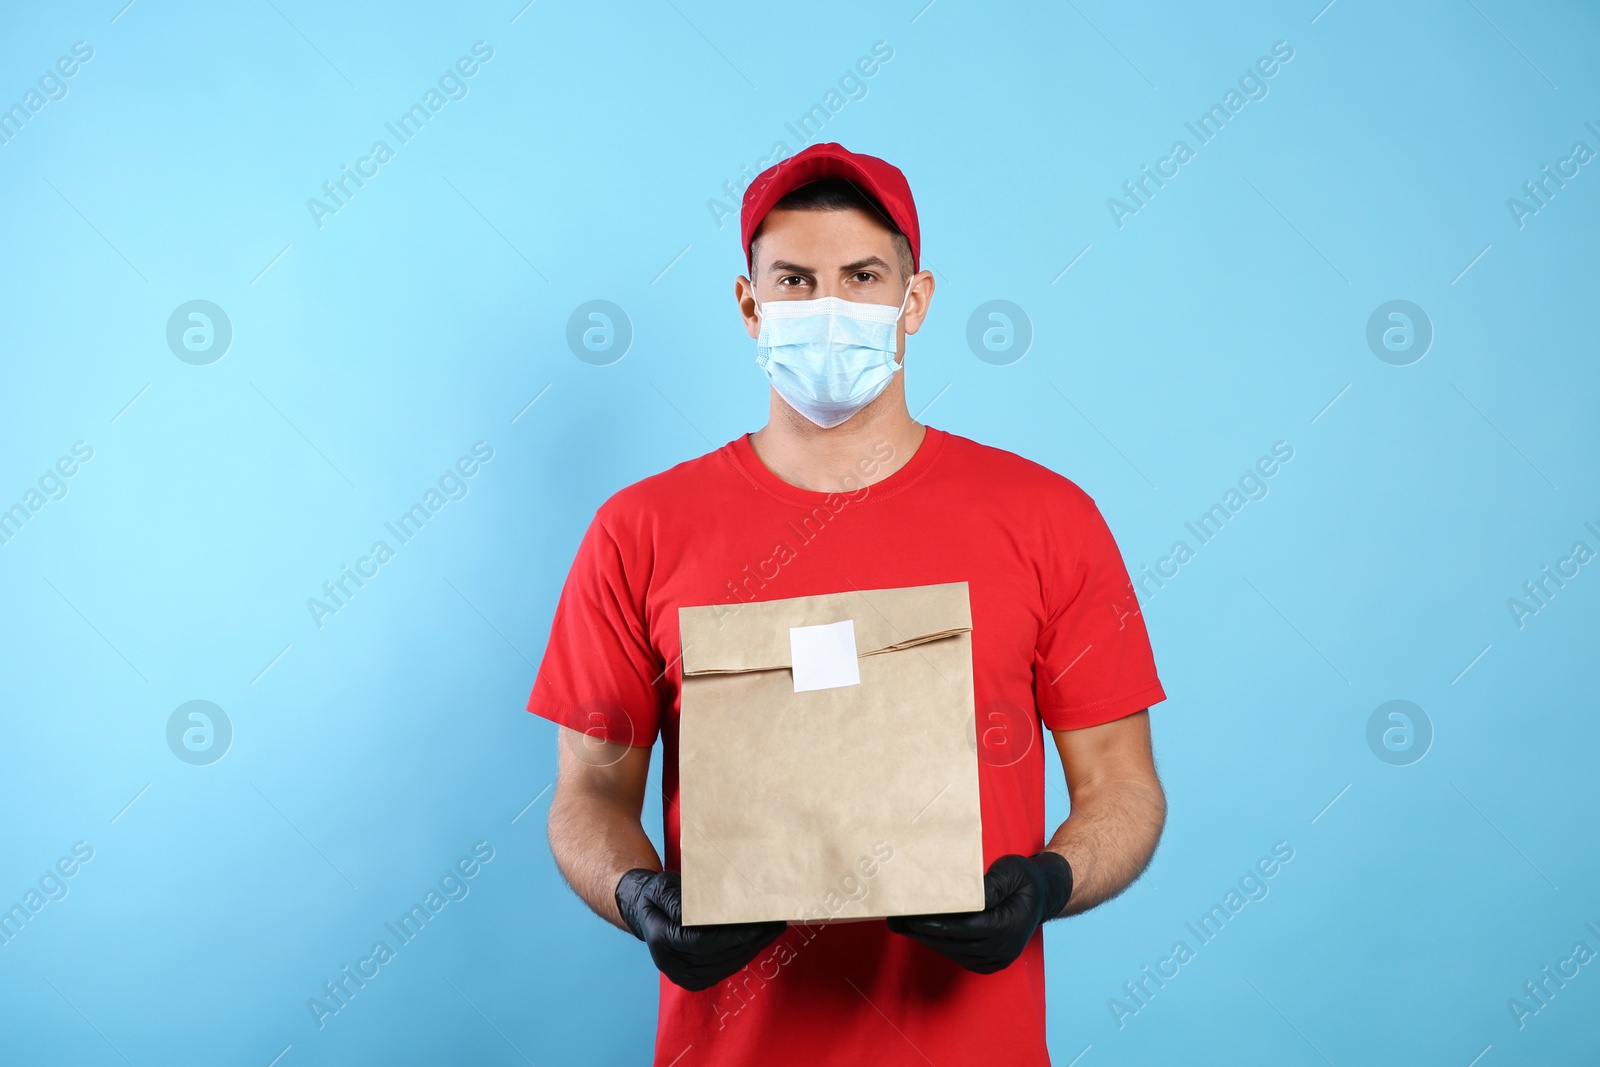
{"points": [[880, 181]]}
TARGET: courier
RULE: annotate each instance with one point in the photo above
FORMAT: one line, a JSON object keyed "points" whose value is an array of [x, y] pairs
{"points": [[864, 650]]}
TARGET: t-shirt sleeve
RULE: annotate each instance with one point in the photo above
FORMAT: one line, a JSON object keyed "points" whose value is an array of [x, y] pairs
{"points": [[600, 673], [1093, 661]]}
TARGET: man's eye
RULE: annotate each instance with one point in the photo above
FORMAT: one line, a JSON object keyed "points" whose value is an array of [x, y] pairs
{"points": [[866, 276]]}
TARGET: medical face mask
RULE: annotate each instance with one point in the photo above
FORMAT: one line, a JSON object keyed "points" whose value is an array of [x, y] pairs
{"points": [[828, 358]]}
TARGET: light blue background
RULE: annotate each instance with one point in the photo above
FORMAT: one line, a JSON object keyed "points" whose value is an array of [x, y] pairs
{"points": [[369, 354]]}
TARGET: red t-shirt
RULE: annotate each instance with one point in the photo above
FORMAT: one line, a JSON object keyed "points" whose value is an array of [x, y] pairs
{"points": [[1057, 637]]}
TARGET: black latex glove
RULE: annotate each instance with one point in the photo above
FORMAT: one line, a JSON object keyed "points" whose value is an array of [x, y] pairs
{"points": [[1019, 893], [695, 957]]}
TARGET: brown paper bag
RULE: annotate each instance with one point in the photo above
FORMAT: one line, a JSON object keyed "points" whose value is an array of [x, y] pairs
{"points": [[848, 801]]}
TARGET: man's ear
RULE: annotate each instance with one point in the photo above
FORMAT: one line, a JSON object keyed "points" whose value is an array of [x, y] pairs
{"points": [[744, 292], [917, 302]]}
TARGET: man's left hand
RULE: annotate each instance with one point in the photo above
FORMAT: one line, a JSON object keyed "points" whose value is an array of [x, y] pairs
{"points": [[1019, 892]]}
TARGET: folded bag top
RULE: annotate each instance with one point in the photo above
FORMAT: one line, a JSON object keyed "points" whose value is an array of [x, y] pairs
{"points": [[760, 642]]}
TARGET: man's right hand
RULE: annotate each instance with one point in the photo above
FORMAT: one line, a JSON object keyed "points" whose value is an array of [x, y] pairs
{"points": [[694, 957]]}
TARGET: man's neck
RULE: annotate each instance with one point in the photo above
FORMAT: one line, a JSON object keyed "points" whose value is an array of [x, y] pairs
{"points": [[866, 448]]}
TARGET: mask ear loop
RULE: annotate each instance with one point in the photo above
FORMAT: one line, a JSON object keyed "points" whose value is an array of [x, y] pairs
{"points": [[903, 302]]}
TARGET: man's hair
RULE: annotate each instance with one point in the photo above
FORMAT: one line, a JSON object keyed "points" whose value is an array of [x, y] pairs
{"points": [[837, 194]]}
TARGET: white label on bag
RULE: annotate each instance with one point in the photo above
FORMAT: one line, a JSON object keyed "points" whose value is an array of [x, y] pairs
{"points": [[824, 657]]}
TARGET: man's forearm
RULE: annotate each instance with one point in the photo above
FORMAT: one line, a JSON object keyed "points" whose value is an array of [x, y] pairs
{"points": [[1109, 838], [597, 839]]}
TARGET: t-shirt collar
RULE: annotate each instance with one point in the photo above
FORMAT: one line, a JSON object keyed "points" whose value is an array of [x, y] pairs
{"points": [[743, 455]]}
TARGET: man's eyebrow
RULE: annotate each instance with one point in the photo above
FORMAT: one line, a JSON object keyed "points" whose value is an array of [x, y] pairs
{"points": [[785, 267], [862, 264]]}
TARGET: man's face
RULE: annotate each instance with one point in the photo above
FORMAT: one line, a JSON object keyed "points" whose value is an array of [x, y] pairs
{"points": [[804, 255]]}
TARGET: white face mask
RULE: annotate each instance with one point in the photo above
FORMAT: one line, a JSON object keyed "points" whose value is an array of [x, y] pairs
{"points": [[828, 358]]}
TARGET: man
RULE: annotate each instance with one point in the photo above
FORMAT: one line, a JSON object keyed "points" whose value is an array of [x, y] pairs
{"points": [[842, 489]]}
